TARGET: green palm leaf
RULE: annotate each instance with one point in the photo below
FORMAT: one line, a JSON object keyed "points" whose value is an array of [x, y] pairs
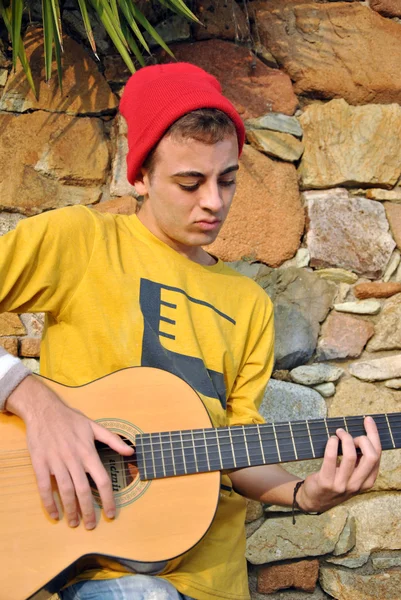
{"points": [[124, 23]]}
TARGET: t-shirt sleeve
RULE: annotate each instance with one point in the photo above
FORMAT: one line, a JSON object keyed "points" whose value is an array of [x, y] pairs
{"points": [[43, 260], [252, 379]]}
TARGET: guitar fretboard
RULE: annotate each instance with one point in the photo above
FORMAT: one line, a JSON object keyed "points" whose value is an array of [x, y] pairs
{"points": [[167, 454]]}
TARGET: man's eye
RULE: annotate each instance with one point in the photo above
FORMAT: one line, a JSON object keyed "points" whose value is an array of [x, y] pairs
{"points": [[227, 183], [189, 188]]}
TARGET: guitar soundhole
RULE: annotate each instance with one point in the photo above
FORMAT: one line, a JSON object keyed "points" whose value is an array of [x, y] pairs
{"points": [[122, 470]]}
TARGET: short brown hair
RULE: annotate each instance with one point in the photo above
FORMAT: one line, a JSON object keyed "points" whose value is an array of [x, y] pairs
{"points": [[206, 125]]}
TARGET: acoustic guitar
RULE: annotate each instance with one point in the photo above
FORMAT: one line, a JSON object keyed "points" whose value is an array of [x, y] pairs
{"points": [[166, 493]]}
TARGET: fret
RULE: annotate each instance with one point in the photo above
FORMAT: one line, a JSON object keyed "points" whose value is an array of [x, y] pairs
{"points": [[167, 451], [246, 445], [335, 423], [162, 455], [286, 445], [206, 451], [183, 453], [302, 438], [232, 447], [218, 448], [261, 445], [189, 452], [140, 456], [277, 446], [389, 430], [355, 426], [256, 454], [394, 420], [156, 452], [239, 445], [226, 447], [327, 430], [194, 449], [270, 445], [345, 424], [213, 450], [310, 440], [293, 442], [172, 453], [201, 451], [178, 453], [319, 432]]}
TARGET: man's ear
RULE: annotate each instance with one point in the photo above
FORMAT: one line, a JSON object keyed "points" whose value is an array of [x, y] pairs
{"points": [[141, 183]]}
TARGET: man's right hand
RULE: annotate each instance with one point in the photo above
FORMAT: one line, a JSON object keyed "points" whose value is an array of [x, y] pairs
{"points": [[61, 441]]}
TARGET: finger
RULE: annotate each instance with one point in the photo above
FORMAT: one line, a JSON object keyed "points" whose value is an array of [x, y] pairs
{"points": [[329, 466], [103, 484], [43, 479], [373, 433], [368, 467], [111, 439], [348, 461], [67, 493], [84, 495]]}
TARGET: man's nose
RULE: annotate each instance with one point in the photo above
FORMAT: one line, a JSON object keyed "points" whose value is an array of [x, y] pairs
{"points": [[212, 198]]}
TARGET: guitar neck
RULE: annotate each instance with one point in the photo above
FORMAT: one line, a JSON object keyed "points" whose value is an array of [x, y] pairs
{"points": [[167, 454]]}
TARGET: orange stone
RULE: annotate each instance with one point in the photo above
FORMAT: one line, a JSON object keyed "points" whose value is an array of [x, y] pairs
{"points": [[30, 347], [376, 290], [10, 344], [301, 575], [11, 324], [124, 205]]}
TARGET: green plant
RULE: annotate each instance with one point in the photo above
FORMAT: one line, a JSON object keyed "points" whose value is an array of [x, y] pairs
{"points": [[123, 21]]}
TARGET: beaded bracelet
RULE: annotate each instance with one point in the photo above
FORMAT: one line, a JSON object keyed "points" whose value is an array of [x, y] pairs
{"points": [[295, 505]]}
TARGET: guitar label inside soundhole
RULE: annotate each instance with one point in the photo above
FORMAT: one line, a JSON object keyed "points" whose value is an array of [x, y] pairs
{"points": [[122, 470]]}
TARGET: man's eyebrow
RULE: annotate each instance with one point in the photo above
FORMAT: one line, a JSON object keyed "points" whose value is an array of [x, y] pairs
{"points": [[198, 174]]}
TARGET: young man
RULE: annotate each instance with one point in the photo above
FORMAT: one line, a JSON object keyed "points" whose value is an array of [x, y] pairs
{"points": [[124, 291]]}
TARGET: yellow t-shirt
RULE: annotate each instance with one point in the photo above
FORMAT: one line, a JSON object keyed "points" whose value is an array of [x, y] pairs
{"points": [[116, 296]]}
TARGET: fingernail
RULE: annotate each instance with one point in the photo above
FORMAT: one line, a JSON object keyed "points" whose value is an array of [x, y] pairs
{"points": [[90, 525], [54, 516], [73, 523], [111, 514]]}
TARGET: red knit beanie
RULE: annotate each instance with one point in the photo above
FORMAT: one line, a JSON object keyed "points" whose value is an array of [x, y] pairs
{"points": [[155, 97]]}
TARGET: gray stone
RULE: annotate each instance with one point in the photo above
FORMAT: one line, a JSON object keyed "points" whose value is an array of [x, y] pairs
{"points": [[388, 327], [394, 384], [362, 307], [345, 584], [301, 302], [278, 539], [316, 374], [9, 221], [332, 194], [392, 266], [3, 77], [349, 233], [285, 401], [174, 29], [327, 390], [253, 526], [276, 144], [276, 122], [386, 562], [347, 539], [377, 369], [119, 185], [32, 364], [337, 275], [245, 268], [300, 260], [350, 145]]}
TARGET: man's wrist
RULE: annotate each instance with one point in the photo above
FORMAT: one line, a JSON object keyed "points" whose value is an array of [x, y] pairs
{"points": [[12, 373]]}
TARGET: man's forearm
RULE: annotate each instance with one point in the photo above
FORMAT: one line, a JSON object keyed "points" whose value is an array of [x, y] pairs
{"points": [[270, 484], [12, 372]]}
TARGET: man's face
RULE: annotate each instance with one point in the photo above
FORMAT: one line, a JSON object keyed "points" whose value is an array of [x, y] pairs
{"points": [[189, 193]]}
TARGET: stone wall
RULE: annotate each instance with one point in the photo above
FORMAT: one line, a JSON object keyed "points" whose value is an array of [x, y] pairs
{"points": [[316, 221]]}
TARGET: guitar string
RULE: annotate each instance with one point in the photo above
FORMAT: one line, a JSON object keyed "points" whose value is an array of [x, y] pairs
{"points": [[238, 431], [149, 447]]}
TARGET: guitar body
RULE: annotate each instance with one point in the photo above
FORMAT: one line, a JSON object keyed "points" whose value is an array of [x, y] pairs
{"points": [[156, 520]]}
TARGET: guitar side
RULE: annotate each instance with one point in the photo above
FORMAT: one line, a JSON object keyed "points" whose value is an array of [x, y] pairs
{"points": [[156, 521]]}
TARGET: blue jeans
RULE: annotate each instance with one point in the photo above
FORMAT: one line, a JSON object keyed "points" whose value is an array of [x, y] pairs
{"points": [[137, 587]]}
